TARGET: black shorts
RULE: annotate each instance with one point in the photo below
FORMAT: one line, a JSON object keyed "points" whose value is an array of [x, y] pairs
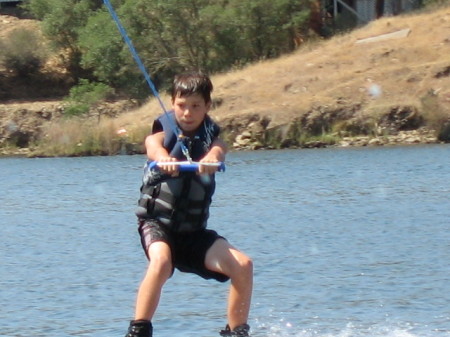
{"points": [[188, 249]]}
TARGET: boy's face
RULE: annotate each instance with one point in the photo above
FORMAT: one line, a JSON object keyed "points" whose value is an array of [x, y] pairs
{"points": [[190, 111]]}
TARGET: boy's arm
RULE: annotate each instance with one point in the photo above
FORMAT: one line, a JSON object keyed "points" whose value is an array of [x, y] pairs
{"points": [[156, 152], [154, 147], [215, 154]]}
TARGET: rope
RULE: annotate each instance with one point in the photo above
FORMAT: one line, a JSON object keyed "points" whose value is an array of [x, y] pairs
{"points": [[141, 66]]}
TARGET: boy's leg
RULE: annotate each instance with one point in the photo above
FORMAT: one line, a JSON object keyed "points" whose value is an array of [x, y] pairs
{"points": [[158, 271], [224, 258]]}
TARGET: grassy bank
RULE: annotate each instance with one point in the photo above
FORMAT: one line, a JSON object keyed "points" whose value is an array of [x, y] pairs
{"points": [[84, 137], [428, 123]]}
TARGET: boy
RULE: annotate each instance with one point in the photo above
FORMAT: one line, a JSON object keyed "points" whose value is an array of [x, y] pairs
{"points": [[174, 208]]}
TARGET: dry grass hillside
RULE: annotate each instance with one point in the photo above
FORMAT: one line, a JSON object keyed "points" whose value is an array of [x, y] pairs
{"points": [[340, 73], [347, 78]]}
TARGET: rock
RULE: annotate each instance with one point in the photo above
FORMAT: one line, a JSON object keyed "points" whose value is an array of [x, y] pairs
{"points": [[315, 144], [344, 143], [375, 141], [412, 140]]}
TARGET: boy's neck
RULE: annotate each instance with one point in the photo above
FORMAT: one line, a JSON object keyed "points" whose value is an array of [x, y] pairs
{"points": [[188, 134]]}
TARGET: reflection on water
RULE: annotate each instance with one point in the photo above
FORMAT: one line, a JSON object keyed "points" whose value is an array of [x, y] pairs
{"points": [[346, 242]]}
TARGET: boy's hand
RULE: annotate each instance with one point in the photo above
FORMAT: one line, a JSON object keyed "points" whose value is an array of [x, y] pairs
{"points": [[215, 155], [169, 169], [208, 169]]}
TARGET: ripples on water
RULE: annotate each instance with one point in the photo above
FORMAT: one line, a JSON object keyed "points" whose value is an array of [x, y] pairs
{"points": [[346, 242]]}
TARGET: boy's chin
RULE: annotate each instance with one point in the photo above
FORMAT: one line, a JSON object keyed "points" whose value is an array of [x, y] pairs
{"points": [[189, 128]]}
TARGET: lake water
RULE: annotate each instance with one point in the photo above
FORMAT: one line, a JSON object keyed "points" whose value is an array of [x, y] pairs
{"points": [[346, 242]]}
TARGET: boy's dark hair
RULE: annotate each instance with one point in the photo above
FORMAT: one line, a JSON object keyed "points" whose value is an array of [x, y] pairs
{"points": [[192, 83]]}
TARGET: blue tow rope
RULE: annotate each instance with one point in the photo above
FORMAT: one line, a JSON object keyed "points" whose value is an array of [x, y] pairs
{"points": [[141, 66]]}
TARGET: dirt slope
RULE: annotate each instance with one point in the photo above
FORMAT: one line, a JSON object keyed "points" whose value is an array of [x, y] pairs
{"points": [[341, 74]]}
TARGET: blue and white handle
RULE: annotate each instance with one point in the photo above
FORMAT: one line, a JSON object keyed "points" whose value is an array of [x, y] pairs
{"points": [[186, 166]]}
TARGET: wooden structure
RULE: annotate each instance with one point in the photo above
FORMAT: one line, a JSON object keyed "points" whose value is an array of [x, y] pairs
{"points": [[367, 10]]}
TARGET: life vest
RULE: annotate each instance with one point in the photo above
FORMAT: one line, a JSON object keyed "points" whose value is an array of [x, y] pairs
{"points": [[182, 202]]}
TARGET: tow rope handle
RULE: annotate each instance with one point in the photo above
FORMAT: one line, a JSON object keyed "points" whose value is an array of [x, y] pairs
{"points": [[186, 166]]}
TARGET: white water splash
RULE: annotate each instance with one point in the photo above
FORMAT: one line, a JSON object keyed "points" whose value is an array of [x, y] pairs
{"points": [[288, 329]]}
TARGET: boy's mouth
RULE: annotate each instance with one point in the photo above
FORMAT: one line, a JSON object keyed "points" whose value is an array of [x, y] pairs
{"points": [[187, 122]]}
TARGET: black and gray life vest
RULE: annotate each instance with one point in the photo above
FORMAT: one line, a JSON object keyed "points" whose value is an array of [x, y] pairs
{"points": [[182, 202]]}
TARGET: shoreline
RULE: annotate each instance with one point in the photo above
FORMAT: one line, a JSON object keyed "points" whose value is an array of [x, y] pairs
{"points": [[403, 138]]}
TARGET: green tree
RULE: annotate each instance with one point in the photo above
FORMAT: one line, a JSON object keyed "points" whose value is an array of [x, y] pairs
{"points": [[102, 49], [170, 36], [270, 26], [61, 21]]}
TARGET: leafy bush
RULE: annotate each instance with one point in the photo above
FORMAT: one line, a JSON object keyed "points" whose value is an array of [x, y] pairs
{"points": [[23, 52], [437, 116], [86, 95]]}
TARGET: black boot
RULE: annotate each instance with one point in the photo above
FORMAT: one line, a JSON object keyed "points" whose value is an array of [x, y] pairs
{"points": [[239, 331], [140, 328]]}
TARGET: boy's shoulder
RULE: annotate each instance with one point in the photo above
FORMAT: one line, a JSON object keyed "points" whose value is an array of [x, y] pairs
{"points": [[164, 122], [211, 127]]}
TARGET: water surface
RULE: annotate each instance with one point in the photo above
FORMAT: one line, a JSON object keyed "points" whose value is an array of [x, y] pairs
{"points": [[346, 242]]}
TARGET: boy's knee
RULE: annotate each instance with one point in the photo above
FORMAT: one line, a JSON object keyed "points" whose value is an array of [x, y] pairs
{"points": [[247, 265], [244, 268], [161, 265]]}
